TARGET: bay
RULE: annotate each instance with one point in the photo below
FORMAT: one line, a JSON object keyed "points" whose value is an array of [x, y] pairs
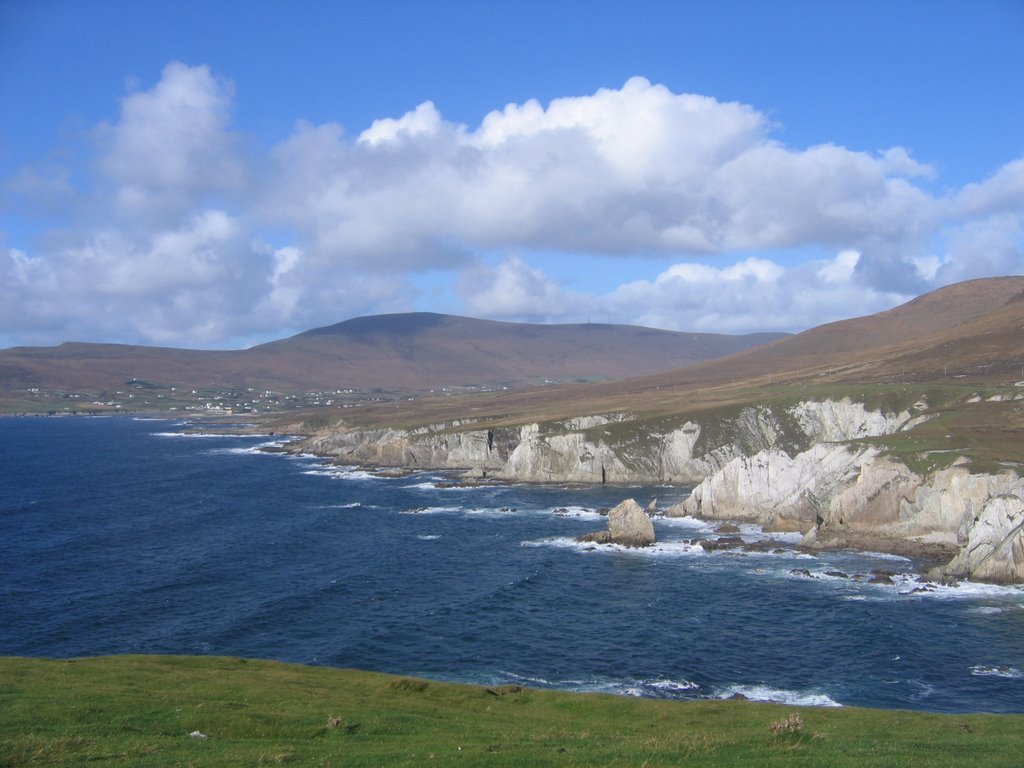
{"points": [[122, 535]]}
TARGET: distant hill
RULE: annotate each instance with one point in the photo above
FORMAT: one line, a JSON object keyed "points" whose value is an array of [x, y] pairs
{"points": [[971, 333], [402, 352], [972, 329]]}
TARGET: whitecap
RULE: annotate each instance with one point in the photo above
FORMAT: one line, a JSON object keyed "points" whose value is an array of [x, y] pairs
{"points": [[661, 688], [430, 510], [442, 485], [971, 590], [689, 523], [341, 473], [997, 670], [577, 513], [659, 549], [987, 610], [259, 449], [428, 536], [670, 687], [777, 696]]}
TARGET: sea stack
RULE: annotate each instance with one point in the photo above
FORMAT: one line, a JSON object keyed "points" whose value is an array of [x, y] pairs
{"points": [[628, 525]]}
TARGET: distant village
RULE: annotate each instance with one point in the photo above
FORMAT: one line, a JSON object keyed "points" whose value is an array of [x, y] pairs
{"points": [[141, 396]]}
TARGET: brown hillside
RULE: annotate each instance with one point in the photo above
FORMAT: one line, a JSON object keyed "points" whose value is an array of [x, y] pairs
{"points": [[971, 332], [410, 352]]}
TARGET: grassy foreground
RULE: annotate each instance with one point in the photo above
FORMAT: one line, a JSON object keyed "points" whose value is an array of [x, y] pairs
{"points": [[141, 710]]}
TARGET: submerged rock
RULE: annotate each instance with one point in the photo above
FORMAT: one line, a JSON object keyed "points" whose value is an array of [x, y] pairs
{"points": [[628, 525]]}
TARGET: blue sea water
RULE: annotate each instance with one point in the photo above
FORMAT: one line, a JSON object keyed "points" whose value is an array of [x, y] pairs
{"points": [[121, 535]]}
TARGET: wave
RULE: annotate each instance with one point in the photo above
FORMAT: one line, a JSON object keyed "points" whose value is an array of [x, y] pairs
{"points": [[576, 513], [997, 670], [658, 549], [260, 449], [659, 688], [342, 473], [428, 536], [431, 510], [988, 610], [444, 485], [188, 434], [689, 523], [907, 585], [777, 696]]}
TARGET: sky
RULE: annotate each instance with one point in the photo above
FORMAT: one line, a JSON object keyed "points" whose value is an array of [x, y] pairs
{"points": [[220, 174]]}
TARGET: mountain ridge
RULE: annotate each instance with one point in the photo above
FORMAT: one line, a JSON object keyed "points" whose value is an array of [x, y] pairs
{"points": [[407, 352]]}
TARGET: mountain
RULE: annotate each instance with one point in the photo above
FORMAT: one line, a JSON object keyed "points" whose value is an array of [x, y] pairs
{"points": [[970, 333], [972, 330], [402, 352]]}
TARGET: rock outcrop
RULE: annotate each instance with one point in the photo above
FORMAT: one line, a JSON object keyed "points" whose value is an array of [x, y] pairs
{"points": [[610, 448], [843, 496], [790, 467], [994, 550], [773, 489], [628, 525]]}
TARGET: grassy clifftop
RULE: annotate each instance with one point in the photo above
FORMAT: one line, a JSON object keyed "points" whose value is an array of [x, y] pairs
{"points": [[203, 711]]}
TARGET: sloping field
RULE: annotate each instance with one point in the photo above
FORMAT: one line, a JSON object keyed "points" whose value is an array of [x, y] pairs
{"points": [[205, 711]]}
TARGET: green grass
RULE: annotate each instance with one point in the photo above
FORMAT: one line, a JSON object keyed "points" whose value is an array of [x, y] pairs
{"points": [[141, 710]]}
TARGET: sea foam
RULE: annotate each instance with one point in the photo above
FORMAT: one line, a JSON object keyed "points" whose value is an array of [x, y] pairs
{"points": [[777, 696]]}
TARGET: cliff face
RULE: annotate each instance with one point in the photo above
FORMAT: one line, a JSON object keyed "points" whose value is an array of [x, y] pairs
{"points": [[796, 467], [843, 496], [613, 448]]}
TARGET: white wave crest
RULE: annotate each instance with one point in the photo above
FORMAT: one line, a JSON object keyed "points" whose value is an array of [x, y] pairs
{"points": [[341, 473], [442, 485], [987, 610], [997, 670], [431, 510], [577, 513], [659, 549], [687, 523], [661, 688], [777, 696]]}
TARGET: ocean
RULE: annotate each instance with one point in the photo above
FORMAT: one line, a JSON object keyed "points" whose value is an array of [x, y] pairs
{"points": [[124, 535]]}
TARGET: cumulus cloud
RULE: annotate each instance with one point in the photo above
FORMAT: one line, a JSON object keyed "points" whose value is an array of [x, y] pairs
{"points": [[171, 147], [179, 231], [514, 289], [753, 294], [627, 171]]}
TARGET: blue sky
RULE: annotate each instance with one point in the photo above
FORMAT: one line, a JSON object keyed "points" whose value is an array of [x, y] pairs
{"points": [[222, 173]]}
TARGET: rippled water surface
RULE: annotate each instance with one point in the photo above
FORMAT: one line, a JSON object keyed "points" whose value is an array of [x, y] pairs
{"points": [[120, 535]]}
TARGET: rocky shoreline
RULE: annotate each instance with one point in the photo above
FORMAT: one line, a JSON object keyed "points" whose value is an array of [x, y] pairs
{"points": [[807, 466]]}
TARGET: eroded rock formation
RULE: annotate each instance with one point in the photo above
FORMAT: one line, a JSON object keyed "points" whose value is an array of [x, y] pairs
{"points": [[628, 525], [798, 467]]}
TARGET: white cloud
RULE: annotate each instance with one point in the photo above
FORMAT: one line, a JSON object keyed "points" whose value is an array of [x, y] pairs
{"points": [[166, 235], [170, 146], [754, 294], [840, 269], [629, 171], [1003, 192], [513, 289]]}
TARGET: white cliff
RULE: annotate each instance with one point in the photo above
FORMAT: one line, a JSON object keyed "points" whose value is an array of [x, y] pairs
{"points": [[799, 467], [782, 493]]}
